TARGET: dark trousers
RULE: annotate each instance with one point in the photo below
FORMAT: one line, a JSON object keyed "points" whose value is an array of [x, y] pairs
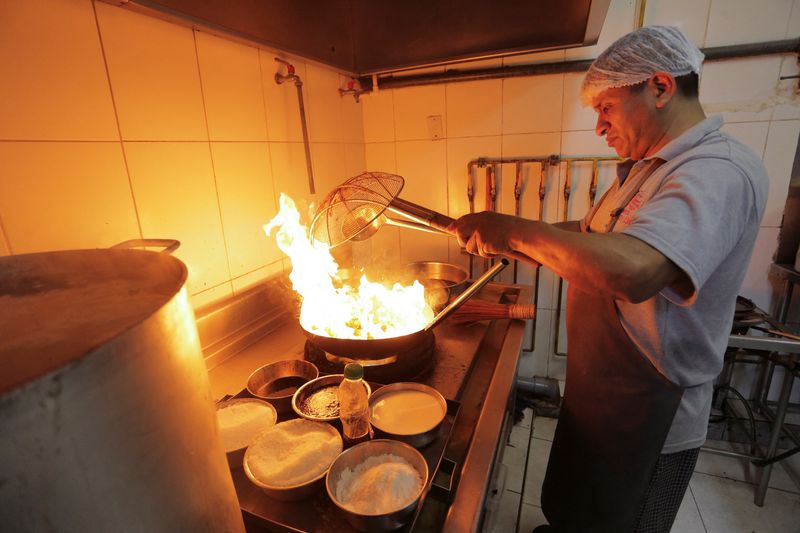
{"points": [[665, 491]]}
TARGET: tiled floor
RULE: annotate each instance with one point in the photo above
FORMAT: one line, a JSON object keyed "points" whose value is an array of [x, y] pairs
{"points": [[719, 499]]}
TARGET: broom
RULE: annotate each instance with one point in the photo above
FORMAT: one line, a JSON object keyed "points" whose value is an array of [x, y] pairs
{"points": [[476, 310]]}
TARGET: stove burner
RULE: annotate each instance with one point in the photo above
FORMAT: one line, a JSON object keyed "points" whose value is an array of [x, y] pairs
{"points": [[409, 365]]}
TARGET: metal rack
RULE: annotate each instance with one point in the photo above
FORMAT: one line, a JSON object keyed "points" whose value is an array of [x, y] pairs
{"points": [[767, 352]]}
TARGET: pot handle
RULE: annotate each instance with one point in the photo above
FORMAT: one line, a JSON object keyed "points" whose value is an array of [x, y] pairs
{"points": [[468, 292], [169, 245]]}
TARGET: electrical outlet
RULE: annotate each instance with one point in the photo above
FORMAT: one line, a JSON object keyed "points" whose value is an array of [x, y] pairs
{"points": [[435, 130]]}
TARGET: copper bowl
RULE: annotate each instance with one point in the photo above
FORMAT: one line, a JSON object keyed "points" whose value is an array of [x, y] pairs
{"points": [[277, 382]]}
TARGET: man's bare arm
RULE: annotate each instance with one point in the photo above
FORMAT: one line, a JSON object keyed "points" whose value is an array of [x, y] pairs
{"points": [[612, 263]]}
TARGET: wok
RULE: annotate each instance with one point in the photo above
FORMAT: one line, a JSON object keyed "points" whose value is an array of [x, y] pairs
{"points": [[380, 348]]}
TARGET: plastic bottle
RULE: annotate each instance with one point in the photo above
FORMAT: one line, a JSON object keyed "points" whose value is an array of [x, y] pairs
{"points": [[353, 404]]}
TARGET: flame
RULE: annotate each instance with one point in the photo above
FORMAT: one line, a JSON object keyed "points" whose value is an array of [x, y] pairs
{"points": [[370, 311]]}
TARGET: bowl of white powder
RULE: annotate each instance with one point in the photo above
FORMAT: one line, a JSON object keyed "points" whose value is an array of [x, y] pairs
{"points": [[378, 484], [240, 421], [289, 461]]}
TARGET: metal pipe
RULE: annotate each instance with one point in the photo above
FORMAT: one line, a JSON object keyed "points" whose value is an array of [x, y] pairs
{"points": [[538, 386], [488, 202], [717, 53], [471, 199], [567, 192], [298, 83], [517, 196], [775, 433]]}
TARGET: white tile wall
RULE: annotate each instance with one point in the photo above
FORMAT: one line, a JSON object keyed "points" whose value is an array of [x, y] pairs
{"points": [[742, 90], [378, 116], [779, 158], [412, 108], [53, 83], [176, 197], [246, 199], [62, 195], [152, 66], [744, 21], [231, 79], [474, 108], [532, 104], [691, 16]]}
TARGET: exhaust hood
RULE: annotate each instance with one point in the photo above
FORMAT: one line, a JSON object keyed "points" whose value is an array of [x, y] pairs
{"points": [[363, 37]]}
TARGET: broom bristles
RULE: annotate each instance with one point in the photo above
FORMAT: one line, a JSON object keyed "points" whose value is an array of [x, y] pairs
{"points": [[476, 310]]}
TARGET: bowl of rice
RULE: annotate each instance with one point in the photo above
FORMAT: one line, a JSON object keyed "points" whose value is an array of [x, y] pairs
{"points": [[378, 484], [240, 421], [289, 461]]}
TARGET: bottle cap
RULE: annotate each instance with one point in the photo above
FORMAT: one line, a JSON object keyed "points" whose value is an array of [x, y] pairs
{"points": [[353, 371]]}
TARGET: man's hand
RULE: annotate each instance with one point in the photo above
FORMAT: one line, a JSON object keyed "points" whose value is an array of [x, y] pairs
{"points": [[487, 234]]}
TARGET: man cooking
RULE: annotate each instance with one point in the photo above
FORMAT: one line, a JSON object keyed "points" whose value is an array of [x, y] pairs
{"points": [[653, 272]]}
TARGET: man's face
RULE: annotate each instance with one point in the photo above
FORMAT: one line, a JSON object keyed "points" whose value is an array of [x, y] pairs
{"points": [[626, 118]]}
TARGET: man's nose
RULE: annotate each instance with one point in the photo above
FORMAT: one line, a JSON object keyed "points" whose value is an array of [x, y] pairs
{"points": [[601, 127]]}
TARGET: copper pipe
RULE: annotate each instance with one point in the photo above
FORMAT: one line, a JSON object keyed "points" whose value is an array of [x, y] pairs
{"points": [[565, 213], [517, 196], [537, 272], [471, 199], [488, 201], [593, 185]]}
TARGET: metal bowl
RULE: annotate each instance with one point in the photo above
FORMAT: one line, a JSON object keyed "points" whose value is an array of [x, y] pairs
{"points": [[452, 277], [290, 492], [356, 455], [418, 440], [236, 456], [277, 382], [441, 281], [312, 387]]}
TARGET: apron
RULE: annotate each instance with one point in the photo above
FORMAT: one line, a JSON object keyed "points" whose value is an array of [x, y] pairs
{"points": [[615, 416]]}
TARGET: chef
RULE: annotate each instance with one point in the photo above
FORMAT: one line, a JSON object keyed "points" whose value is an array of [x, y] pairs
{"points": [[653, 270]]}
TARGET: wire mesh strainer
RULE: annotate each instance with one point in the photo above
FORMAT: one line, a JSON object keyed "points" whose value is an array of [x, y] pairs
{"points": [[355, 210]]}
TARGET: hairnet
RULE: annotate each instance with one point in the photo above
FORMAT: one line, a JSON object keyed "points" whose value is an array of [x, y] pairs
{"points": [[634, 57]]}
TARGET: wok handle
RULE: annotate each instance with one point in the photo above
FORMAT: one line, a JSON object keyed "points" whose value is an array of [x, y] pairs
{"points": [[468, 293], [438, 221]]}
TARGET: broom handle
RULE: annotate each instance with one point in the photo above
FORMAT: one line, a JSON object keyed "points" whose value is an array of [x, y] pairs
{"points": [[493, 311], [438, 221]]}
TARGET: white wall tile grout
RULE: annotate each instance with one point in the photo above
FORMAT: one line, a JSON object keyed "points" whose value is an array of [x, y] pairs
{"points": [[211, 156], [116, 121]]}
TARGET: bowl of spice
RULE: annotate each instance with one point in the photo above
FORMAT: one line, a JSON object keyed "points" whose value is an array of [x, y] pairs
{"points": [[377, 484], [277, 382], [318, 400], [240, 421]]}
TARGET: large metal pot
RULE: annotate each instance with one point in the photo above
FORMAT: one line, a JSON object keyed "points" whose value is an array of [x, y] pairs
{"points": [[105, 407], [366, 349]]}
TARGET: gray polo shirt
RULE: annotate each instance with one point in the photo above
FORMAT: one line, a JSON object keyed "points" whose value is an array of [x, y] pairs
{"points": [[698, 201]]}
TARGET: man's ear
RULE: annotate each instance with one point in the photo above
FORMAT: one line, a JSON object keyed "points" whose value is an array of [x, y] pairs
{"points": [[662, 86]]}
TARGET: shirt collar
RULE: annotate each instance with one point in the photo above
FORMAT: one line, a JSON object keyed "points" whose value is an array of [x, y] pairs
{"points": [[689, 138]]}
